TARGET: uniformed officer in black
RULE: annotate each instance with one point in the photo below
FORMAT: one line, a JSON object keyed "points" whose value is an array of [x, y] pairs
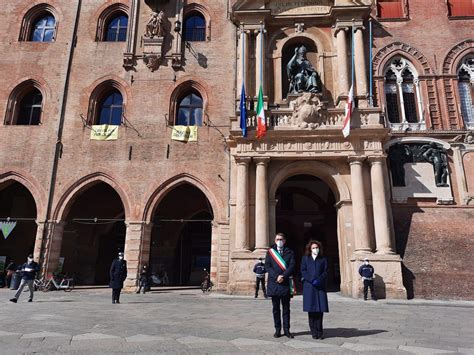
{"points": [[260, 271], [366, 271], [278, 286]]}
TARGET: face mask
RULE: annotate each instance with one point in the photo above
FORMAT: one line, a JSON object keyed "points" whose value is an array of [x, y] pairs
{"points": [[30, 260], [120, 257], [366, 263], [280, 243], [315, 251]]}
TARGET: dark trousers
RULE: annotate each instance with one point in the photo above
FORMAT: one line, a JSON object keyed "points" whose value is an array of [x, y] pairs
{"points": [[258, 281], [144, 285], [369, 284], [315, 320], [285, 302], [116, 294]]}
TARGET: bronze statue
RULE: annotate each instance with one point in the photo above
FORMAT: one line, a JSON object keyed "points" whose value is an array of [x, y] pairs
{"points": [[436, 155], [399, 155], [301, 74], [155, 25]]}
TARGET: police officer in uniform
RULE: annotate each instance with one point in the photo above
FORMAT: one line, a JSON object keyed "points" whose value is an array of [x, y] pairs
{"points": [[280, 265], [260, 271], [118, 274], [366, 271]]}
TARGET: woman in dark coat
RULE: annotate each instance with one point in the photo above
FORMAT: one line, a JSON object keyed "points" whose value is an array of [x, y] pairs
{"points": [[118, 274], [314, 270]]}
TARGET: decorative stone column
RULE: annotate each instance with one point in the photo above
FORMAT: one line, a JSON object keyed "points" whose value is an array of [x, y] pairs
{"points": [[259, 60], [261, 204], [381, 206], [242, 205], [359, 206], [137, 249], [360, 64], [342, 60], [242, 62]]}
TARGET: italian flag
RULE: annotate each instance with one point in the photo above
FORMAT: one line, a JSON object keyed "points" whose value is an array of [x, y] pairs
{"points": [[261, 121]]}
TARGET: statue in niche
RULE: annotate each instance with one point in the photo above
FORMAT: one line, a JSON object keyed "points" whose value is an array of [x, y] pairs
{"points": [[155, 25], [436, 155], [301, 74], [398, 155]]}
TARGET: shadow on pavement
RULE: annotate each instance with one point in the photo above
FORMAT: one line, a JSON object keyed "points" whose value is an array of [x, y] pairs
{"points": [[344, 332]]}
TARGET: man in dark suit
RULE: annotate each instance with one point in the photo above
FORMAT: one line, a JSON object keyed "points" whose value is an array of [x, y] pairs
{"points": [[280, 265], [118, 274]]}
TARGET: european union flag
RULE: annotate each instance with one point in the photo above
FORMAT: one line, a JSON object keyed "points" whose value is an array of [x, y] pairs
{"points": [[243, 112]]}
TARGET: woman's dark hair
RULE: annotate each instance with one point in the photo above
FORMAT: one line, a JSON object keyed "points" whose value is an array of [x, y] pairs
{"points": [[308, 247]]}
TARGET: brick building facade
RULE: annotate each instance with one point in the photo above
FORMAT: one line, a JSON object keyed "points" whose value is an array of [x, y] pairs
{"points": [[150, 65]]}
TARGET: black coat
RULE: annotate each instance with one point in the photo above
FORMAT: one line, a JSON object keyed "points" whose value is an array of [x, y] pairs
{"points": [[118, 273], [315, 298], [273, 270]]}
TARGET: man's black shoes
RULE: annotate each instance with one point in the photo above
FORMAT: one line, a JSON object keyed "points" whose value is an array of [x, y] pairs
{"points": [[288, 334], [14, 300], [277, 333]]}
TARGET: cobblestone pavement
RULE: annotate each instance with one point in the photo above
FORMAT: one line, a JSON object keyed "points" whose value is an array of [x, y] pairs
{"points": [[185, 321]]}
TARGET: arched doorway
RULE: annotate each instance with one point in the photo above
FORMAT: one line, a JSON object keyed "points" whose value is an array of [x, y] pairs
{"points": [[93, 234], [18, 205], [306, 210], [181, 237]]}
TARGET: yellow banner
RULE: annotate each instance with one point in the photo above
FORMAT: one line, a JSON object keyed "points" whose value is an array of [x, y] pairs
{"points": [[185, 133], [104, 132]]}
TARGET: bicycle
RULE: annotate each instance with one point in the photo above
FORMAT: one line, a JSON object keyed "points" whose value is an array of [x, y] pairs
{"points": [[207, 284], [66, 284]]}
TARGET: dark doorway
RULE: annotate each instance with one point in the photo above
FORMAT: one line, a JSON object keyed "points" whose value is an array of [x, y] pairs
{"points": [[93, 235], [305, 210], [181, 237], [18, 204]]}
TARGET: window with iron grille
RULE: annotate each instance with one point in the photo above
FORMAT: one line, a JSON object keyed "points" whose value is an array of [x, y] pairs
{"points": [[194, 29], [391, 100], [116, 28], [43, 29], [466, 90], [190, 109]]}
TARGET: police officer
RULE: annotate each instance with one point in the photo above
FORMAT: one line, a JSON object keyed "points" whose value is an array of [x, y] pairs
{"points": [[366, 271], [280, 265], [28, 274], [118, 274], [260, 271]]}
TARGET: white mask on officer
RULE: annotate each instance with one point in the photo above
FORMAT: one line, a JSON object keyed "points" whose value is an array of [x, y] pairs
{"points": [[366, 263], [280, 243], [30, 260], [315, 251]]}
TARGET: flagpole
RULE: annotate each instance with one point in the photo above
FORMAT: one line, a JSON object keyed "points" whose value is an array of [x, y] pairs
{"points": [[261, 55], [371, 98], [352, 57], [242, 40]]}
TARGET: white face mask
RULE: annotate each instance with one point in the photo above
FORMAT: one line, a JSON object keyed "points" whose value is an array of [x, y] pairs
{"points": [[315, 251], [366, 263], [120, 257], [280, 243], [30, 260]]}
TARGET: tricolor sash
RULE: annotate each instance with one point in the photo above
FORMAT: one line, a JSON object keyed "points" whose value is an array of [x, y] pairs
{"points": [[282, 264]]}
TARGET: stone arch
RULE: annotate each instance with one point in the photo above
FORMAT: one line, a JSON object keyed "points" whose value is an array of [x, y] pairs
{"points": [[162, 190], [426, 140], [31, 184], [418, 59], [321, 170], [69, 195], [455, 55]]}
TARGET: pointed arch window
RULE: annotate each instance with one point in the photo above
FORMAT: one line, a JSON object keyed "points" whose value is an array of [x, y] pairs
{"points": [[466, 90], [402, 93], [43, 29], [194, 29], [190, 109], [25, 106], [116, 28], [110, 108]]}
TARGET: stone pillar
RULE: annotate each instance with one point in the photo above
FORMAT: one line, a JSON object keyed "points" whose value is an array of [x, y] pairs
{"points": [[360, 64], [342, 61], [242, 63], [261, 204], [54, 241], [381, 206], [137, 249], [359, 206], [41, 225], [259, 60], [242, 205]]}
